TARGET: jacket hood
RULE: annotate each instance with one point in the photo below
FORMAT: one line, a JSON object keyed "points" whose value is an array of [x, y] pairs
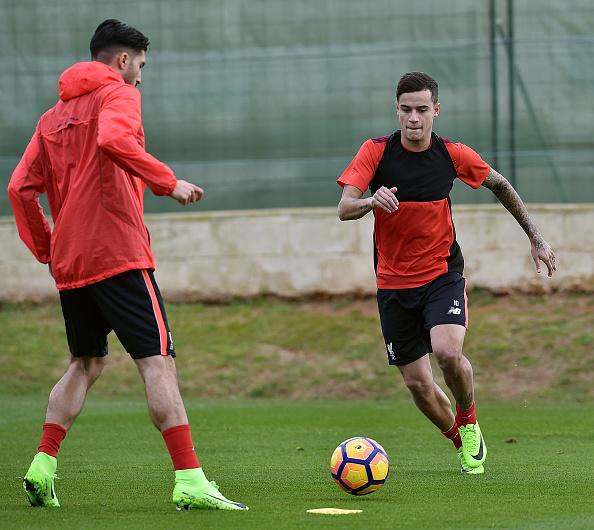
{"points": [[82, 78]]}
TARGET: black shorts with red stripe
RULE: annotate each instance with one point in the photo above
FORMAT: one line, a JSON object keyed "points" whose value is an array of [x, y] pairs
{"points": [[407, 315], [129, 304]]}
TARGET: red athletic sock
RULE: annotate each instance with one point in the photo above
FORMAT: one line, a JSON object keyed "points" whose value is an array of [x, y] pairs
{"points": [[51, 439], [453, 435], [180, 446], [464, 417]]}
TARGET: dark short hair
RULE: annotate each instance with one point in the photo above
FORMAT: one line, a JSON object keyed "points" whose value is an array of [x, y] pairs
{"points": [[417, 82], [112, 34]]}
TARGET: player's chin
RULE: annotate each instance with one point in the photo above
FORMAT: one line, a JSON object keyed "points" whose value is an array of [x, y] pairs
{"points": [[414, 134]]}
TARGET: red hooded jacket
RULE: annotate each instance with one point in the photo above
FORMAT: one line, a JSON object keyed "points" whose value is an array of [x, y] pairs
{"points": [[87, 154]]}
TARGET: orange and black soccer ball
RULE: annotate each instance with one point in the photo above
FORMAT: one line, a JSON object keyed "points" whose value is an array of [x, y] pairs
{"points": [[360, 466]]}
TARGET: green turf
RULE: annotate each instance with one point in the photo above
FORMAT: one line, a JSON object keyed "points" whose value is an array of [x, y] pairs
{"points": [[274, 456], [521, 347]]}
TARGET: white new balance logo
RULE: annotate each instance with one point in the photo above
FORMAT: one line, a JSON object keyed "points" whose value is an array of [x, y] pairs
{"points": [[455, 309], [391, 353]]}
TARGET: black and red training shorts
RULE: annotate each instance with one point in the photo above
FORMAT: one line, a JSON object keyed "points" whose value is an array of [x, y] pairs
{"points": [[129, 304], [407, 315]]}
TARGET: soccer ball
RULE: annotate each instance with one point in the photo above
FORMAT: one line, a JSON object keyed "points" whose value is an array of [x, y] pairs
{"points": [[359, 466]]}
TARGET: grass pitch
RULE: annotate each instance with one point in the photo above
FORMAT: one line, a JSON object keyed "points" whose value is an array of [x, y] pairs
{"points": [[521, 347], [115, 473], [533, 361]]}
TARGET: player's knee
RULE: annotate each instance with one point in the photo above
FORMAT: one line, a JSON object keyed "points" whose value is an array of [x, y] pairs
{"points": [[420, 388], [89, 367], [95, 367], [448, 356]]}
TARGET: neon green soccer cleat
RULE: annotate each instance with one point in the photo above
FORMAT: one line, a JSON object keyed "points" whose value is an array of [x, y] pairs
{"points": [[474, 449], [469, 470], [187, 496], [39, 481]]}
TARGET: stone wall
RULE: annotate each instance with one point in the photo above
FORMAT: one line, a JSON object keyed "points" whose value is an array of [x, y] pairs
{"points": [[296, 252]]}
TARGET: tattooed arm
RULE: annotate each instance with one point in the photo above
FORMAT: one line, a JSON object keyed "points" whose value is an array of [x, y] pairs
{"points": [[352, 206], [509, 197]]}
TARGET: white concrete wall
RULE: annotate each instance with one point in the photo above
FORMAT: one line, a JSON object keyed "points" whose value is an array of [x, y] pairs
{"points": [[300, 251]]}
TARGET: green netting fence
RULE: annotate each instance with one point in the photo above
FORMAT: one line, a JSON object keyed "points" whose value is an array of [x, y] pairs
{"points": [[264, 102]]}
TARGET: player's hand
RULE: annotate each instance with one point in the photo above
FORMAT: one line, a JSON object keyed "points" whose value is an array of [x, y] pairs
{"points": [[385, 199], [186, 192], [542, 251]]}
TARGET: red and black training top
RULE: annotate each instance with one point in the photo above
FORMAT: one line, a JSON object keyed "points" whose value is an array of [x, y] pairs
{"points": [[417, 243]]}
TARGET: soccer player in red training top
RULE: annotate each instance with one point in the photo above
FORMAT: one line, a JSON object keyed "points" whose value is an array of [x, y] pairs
{"points": [[421, 292], [87, 154]]}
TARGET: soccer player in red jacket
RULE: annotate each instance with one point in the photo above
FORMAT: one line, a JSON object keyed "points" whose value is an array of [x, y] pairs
{"points": [[87, 154], [421, 292]]}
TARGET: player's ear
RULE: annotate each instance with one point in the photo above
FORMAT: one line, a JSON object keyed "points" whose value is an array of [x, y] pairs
{"points": [[123, 59], [437, 108]]}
